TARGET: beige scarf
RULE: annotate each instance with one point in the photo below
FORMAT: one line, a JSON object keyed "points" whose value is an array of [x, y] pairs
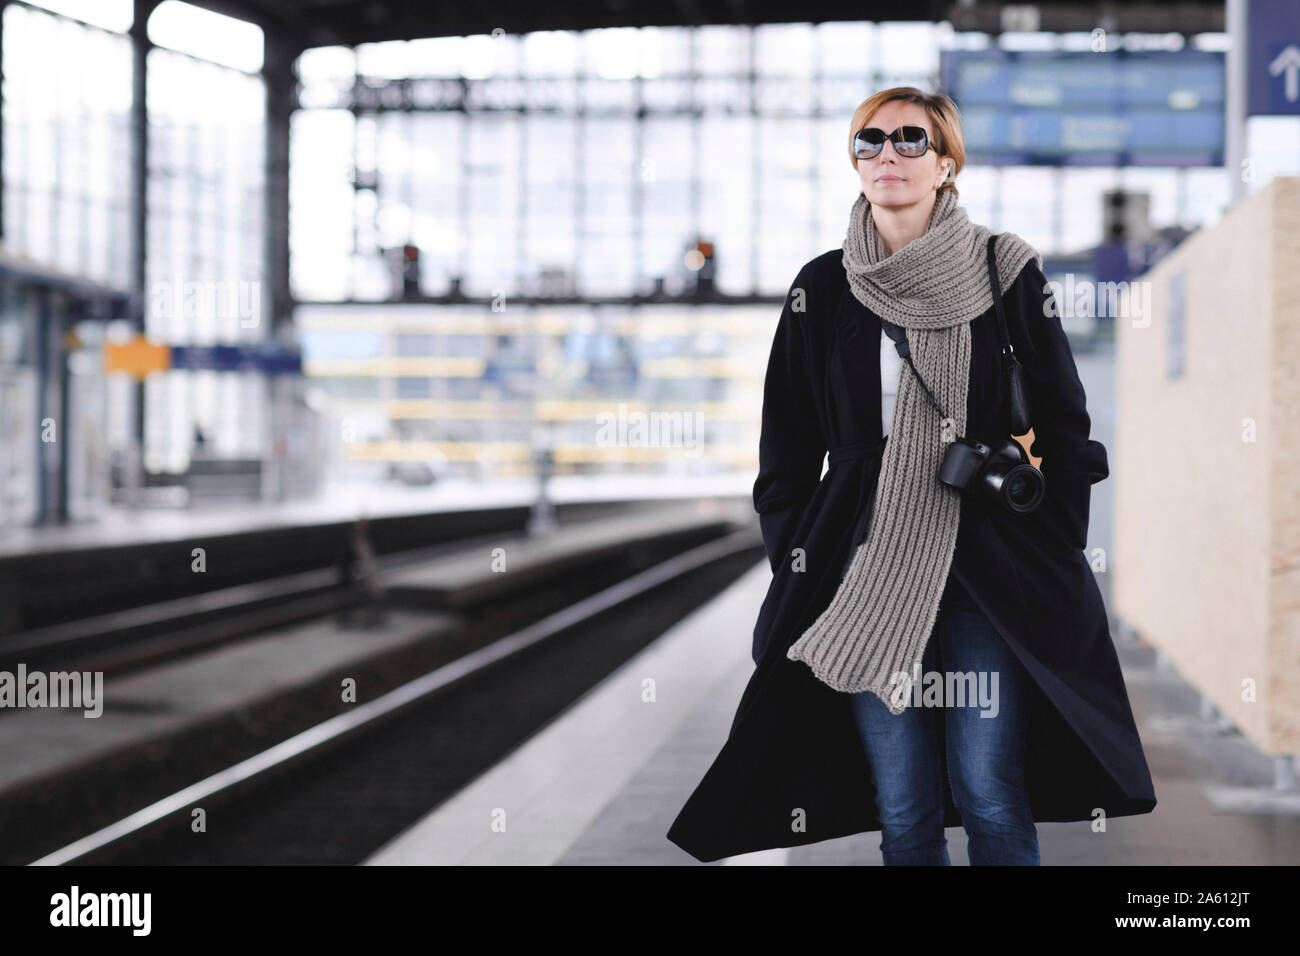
{"points": [[873, 633]]}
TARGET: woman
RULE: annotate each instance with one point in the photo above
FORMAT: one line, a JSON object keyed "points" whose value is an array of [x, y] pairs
{"points": [[887, 351]]}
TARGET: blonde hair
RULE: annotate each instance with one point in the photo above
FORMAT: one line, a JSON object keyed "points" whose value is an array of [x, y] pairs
{"points": [[944, 118]]}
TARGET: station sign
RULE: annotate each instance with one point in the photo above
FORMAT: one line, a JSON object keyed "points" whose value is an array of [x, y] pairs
{"points": [[1117, 108], [1273, 58]]}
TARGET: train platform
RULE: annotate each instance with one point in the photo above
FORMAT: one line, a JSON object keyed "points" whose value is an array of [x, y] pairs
{"points": [[602, 783], [120, 527], [63, 585]]}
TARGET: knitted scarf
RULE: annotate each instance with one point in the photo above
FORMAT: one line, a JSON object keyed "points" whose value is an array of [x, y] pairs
{"points": [[873, 633]]}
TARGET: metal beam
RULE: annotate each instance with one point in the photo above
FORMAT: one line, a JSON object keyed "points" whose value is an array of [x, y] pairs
{"points": [[280, 84], [3, 6], [138, 215], [351, 22]]}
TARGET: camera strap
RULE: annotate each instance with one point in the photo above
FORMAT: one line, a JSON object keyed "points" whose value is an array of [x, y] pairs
{"points": [[1017, 387], [998, 307], [905, 351], [1019, 394]]}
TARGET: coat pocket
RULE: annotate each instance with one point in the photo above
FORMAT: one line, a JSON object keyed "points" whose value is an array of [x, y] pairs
{"points": [[778, 529], [784, 528], [1063, 512]]}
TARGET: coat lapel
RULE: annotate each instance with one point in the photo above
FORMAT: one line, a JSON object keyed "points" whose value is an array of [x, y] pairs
{"points": [[856, 362]]}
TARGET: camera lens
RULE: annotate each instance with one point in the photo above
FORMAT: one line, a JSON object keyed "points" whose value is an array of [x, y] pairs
{"points": [[1022, 488]]}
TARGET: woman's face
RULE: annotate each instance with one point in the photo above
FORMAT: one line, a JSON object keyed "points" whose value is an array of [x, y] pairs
{"points": [[892, 180]]}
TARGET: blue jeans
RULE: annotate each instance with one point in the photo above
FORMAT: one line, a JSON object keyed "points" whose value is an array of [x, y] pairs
{"points": [[985, 738]]}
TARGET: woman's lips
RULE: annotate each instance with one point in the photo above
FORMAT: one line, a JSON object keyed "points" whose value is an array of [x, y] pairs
{"points": [[889, 179]]}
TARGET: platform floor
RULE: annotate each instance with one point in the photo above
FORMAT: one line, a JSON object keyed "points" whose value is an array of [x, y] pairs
{"points": [[602, 783], [116, 527]]}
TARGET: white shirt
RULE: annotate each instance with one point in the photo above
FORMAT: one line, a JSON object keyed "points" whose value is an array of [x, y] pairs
{"points": [[891, 367]]}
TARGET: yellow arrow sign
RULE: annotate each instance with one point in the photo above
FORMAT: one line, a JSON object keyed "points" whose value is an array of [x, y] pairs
{"points": [[137, 357]]}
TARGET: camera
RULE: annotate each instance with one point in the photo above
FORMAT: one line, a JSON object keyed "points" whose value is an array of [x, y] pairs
{"points": [[1000, 471]]}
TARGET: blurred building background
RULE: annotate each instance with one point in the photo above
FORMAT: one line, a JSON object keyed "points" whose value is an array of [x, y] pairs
{"points": [[452, 258]]}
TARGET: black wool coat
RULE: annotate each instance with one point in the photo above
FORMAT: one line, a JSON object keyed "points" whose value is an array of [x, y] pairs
{"points": [[793, 769]]}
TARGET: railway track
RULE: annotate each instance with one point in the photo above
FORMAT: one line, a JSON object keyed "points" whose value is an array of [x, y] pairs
{"points": [[338, 790], [130, 638]]}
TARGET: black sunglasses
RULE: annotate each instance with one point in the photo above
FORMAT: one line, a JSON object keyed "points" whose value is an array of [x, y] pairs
{"points": [[909, 141]]}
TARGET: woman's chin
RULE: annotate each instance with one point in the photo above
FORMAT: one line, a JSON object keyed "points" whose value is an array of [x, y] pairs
{"points": [[892, 199]]}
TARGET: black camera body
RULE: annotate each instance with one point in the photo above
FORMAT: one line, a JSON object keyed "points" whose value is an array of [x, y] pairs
{"points": [[1001, 472]]}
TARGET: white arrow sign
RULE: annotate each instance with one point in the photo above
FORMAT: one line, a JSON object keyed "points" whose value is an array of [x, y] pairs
{"points": [[1289, 61]]}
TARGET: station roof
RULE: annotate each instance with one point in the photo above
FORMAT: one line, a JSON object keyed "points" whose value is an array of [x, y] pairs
{"points": [[311, 23]]}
